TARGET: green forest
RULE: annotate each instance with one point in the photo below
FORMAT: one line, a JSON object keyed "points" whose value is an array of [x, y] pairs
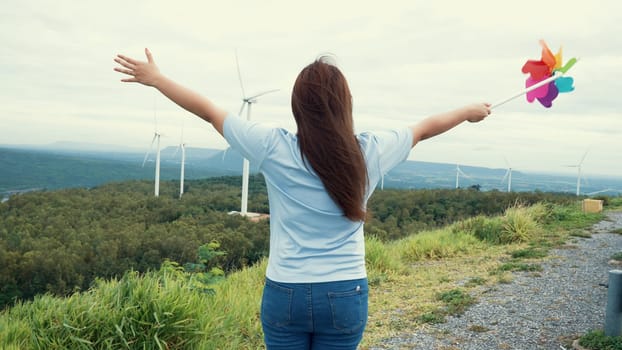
{"points": [[60, 241]]}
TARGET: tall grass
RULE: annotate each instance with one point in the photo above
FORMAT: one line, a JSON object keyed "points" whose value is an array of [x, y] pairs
{"points": [[381, 262], [437, 244], [156, 310], [233, 313], [518, 224]]}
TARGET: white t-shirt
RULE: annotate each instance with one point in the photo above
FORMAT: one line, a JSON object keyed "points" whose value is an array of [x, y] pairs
{"points": [[310, 238]]}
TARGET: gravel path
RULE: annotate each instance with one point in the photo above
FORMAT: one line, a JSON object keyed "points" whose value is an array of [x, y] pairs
{"points": [[544, 311]]}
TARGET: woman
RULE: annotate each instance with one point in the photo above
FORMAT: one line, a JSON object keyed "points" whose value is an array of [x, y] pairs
{"points": [[319, 181]]}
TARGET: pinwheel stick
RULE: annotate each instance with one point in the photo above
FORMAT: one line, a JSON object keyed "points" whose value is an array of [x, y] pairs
{"points": [[531, 88]]}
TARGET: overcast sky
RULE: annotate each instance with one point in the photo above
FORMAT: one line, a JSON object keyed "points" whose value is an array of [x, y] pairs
{"points": [[404, 60]]}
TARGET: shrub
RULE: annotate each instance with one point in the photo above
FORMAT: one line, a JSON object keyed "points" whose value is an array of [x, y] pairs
{"points": [[529, 253], [457, 301], [603, 198], [485, 229], [572, 217], [540, 212], [518, 266], [437, 244], [202, 277], [518, 225], [598, 340], [615, 202]]}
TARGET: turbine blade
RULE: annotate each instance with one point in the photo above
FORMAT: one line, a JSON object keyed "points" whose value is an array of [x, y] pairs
{"points": [[237, 63], [261, 94], [242, 108], [506, 161], [463, 174], [505, 176], [155, 117], [182, 132], [583, 158], [150, 149]]}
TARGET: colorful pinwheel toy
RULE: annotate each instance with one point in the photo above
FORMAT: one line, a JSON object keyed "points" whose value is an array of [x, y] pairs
{"points": [[546, 78], [547, 68]]}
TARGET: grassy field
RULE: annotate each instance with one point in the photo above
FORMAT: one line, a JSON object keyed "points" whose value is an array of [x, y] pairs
{"points": [[416, 280]]}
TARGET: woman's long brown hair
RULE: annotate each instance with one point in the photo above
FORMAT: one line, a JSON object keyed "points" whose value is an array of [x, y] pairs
{"points": [[322, 107]]}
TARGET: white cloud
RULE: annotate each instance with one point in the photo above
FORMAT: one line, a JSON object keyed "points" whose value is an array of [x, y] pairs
{"points": [[404, 60]]}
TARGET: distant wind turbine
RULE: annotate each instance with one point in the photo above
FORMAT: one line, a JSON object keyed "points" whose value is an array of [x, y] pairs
{"points": [[578, 166], [224, 154], [181, 146], [246, 101], [156, 137], [508, 175], [458, 173]]}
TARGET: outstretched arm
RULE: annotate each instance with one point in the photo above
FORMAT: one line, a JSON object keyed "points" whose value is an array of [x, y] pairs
{"points": [[438, 124], [147, 73]]}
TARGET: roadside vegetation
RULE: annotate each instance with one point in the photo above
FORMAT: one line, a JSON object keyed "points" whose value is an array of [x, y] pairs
{"points": [[423, 274], [597, 340]]}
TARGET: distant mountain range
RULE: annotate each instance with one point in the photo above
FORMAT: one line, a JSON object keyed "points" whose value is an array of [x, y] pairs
{"points": [[63, 165]]}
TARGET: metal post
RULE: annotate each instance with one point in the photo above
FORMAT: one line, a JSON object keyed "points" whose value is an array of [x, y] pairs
{"points": [[613, 314]]}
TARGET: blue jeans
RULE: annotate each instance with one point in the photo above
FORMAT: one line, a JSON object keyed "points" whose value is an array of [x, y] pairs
{"points": [[327, 315]]}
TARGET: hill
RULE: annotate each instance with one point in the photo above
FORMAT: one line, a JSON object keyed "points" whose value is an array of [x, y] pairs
{"points": [[65, 165]]}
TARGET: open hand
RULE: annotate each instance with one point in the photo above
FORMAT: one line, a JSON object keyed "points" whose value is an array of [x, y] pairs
{"points": [[146, 73]]}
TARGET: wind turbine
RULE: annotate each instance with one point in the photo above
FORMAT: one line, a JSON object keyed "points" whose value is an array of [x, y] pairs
{"points": [[246, 101], [156, 137], [224, 154], [181, 146], [578, 166], [458, 173], [508, 175]]}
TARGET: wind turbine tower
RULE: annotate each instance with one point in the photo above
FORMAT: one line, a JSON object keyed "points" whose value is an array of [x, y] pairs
{"points": [[578, 166], [246, 102], [183, 166], [156, 138], [182, 146], [459, 172], [508, 175]]}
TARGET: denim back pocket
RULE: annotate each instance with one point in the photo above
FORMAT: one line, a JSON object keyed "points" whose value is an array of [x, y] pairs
{"points": [[276, 304], [349, 309]]}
